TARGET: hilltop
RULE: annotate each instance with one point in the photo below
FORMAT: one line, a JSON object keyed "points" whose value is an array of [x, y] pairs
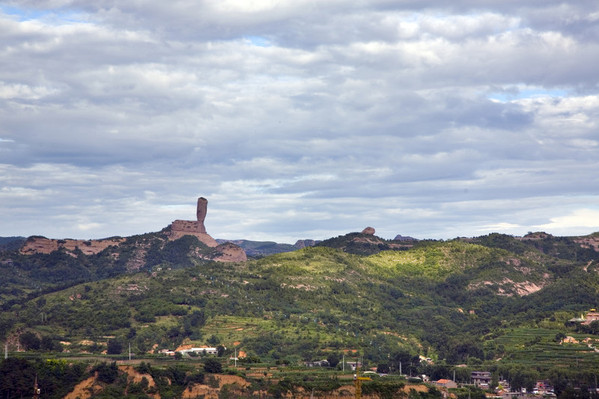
{"points": [[224, 252]]}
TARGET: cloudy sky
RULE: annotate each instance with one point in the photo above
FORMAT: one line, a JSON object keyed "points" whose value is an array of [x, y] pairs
{"points": [[299, 118]]}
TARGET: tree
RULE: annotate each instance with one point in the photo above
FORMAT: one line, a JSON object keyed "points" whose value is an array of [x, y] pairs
{"points": [[559, 337], [213, 340], [30, 341], [333, 359], [114, 347], [48, 344], [107, 373], [16, 378], [213, 366]]}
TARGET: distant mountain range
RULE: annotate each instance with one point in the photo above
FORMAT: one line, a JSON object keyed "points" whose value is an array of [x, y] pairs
{"points": [[256, 249]]}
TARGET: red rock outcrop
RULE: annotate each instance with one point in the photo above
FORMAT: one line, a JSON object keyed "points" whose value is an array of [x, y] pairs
{"points": [[36, 244], [180, 228], [368, 230], [591, 241], [229, 252]]}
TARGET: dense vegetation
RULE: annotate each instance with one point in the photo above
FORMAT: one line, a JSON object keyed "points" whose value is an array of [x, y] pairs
{"points": [[496, 302]]}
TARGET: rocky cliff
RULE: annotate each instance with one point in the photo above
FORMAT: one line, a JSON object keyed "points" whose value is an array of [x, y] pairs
{"points": [[174, 231]]}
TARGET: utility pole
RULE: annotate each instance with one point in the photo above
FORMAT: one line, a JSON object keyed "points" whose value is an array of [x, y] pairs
{"points": [[129, 351]]}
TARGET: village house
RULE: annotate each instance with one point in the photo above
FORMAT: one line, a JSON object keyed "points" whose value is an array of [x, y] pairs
{"points": [[166, 352], [444, 383], [543, 387], [318, 363], [591, 316], [187, 349], [481, 378], [200, 351]]}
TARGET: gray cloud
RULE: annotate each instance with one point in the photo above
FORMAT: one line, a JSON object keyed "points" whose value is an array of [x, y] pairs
{"points": [[298, 119]]}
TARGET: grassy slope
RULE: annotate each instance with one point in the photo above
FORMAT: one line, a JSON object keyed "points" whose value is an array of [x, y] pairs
{"points": [[317, 300]]}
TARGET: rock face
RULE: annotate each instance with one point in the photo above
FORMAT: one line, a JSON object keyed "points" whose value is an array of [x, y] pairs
{"points": [[43, 245], [305, 243], [180, 228], [368, 230], [591, 241], [229, 252]]}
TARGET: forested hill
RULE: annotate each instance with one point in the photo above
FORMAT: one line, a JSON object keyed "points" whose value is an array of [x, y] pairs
{"points": [[11, 243], [460, 301]]}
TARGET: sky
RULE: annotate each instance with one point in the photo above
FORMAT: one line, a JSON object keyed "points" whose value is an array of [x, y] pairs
{"points": [[299, 119]]}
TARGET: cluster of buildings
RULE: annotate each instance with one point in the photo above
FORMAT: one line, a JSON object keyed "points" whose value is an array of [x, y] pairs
{"points": [[482, 379], [591, 316]]}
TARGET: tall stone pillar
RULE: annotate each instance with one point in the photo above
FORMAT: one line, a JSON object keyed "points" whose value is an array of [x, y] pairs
{"points": [[201, 213]]}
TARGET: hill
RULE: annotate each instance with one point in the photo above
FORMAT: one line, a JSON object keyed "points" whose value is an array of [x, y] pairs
{"points": [[494, 301], [365, 243], [42, 265]]}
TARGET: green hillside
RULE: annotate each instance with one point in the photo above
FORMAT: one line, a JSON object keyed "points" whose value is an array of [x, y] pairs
{"points": [[496, 302]]}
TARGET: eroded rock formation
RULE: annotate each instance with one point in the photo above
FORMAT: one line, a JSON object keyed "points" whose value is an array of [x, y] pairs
{"points": [[180, 228], [177, 229], [201, 212], [229, 252], [226, 252], [368, 230]]}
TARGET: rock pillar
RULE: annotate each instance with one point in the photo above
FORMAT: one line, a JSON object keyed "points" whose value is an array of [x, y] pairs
{"points": [[201, 213]]}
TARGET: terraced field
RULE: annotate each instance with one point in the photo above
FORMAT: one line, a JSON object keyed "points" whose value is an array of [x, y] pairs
{"points": [[538, 347]]}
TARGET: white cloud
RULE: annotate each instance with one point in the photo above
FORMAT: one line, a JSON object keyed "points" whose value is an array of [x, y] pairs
{"points": [[576, 220], [296, 118]]}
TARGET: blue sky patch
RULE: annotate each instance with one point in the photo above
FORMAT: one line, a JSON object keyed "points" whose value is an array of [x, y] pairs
{"points": [[57, 16], [510, 95], [258, 41]]}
